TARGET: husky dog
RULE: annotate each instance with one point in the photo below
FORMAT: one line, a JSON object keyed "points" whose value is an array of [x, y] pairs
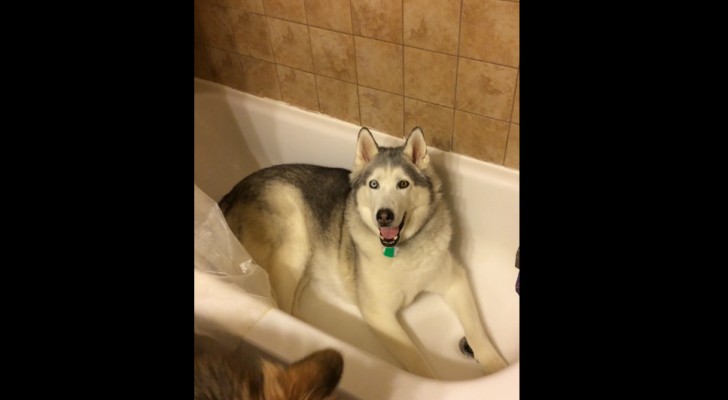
{"points": [[378, 235], [240, 374]]}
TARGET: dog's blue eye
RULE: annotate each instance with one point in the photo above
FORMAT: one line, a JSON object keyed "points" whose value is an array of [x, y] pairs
{"points": [[402, 184], [373, 184]]}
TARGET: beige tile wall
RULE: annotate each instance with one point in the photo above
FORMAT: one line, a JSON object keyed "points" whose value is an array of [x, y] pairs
{"points": [[448, 66]]}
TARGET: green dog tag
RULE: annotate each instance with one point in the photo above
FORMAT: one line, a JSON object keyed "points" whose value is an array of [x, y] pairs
{"points": [[390, 251]]}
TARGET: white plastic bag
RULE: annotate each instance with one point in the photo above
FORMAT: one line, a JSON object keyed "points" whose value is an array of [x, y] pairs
{"points": [[232, 292]]}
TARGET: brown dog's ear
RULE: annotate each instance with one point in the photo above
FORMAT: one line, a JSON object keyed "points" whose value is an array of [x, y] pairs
{"points": [[315, 376], [366, 147], [416, 149], [275, 381]]}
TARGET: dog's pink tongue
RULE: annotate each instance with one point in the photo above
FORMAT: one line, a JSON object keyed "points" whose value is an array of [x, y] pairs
{"points": [[389, 233]]}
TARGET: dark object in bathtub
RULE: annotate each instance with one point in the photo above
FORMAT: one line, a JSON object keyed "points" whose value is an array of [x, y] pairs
{"points": [[518, 265], [465, 348], [463, 344]]}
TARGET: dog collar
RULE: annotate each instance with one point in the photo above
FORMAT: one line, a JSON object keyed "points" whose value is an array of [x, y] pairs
{"points": [[390, 251]]}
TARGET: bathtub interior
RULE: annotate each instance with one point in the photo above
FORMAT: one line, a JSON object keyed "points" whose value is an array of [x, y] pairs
{"points": [[236, 134]]}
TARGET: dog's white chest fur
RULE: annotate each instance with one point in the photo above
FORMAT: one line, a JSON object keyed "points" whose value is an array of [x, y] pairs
{"points": [[403, 276]]}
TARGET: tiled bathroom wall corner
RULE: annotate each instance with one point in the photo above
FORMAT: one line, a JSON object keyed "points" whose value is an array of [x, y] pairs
{"points": [[448, 66]]}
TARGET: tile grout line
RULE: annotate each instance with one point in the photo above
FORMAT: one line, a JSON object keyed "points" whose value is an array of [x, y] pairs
{"points": [[270, 39], [387, 92], [505, 152], [273, 54], [510, 118], [236, 48], [270, 43], [457, 71], [229, 21], [356, 66], [457, 54], [295, 22], [367, 87], [404, 126], [313, 62]]}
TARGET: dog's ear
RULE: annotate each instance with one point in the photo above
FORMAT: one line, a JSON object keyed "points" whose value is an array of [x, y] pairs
{"points": [[366, 147], [416, 149], [316, 376], [275, 381]]}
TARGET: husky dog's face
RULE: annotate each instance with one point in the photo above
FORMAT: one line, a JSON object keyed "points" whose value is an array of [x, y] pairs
{"points": [[394, 187]]}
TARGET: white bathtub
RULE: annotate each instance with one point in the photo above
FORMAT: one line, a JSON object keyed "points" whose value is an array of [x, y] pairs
{"points": [[236, 134]]}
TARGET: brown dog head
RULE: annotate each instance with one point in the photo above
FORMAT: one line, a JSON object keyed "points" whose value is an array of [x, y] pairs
{"points": [[223, 372]]}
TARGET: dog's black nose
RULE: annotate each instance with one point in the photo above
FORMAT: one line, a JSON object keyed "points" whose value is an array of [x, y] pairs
{"points": [[385, 217]]}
